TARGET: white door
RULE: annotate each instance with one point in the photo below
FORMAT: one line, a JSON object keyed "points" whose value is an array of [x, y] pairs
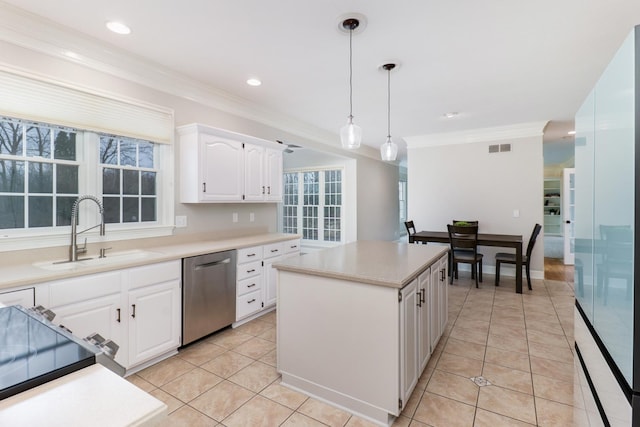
{"points": [[154, 321], [424, 322], [569, 186], [434, 307], [23, 297], [222, 169], [409, 347], [443, 297], [254, 185], [274, 175]]}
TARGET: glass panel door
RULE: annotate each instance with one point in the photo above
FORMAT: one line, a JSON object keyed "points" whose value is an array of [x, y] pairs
{"points": [[569, 212]]}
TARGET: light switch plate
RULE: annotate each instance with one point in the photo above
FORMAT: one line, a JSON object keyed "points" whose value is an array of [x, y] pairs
{"points": [[516, 213]]}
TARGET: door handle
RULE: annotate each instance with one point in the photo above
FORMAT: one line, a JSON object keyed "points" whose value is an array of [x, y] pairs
{"points": [[204, 187], [422, 296], [133, 313], [251, 300], [118, 318], [213, 263], [568, 222]]}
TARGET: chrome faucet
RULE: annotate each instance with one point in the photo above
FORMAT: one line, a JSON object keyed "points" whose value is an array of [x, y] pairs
{"points": [[73, 249]]}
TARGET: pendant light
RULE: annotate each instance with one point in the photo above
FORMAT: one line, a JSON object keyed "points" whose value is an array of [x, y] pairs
{"points": [[350, 134], [389, 150]]}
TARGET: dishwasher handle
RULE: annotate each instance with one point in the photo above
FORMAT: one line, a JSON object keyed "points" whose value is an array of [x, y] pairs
{"points": [[212, 264]]}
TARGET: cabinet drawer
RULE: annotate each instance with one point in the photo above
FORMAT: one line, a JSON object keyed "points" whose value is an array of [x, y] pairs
{"points": [[274, 249], [84, 288], [249, 285], [292, 246], [154, 273], [248, 304], [249, 254], [249, 270]]}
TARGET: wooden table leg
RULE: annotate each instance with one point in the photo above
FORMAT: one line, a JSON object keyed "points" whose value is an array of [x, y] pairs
{"points": [[519, 268]]}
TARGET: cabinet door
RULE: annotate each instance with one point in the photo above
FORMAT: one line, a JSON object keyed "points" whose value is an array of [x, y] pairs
{"points": [[274, 175], [409, 340], [254, 172], [22, 297], [271, 281], [443, 294], [222, 169], [99, 315], [434, 307], [154, 321], [424, 297]]}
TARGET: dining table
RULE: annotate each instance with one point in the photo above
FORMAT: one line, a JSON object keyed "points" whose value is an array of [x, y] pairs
{"points": [[484, 239]]}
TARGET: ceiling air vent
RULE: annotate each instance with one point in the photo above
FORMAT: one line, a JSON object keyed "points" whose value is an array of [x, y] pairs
{"points": [[499, 148]]}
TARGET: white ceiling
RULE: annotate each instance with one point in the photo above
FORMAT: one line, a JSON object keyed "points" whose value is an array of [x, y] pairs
{"points": [[495, 62]]}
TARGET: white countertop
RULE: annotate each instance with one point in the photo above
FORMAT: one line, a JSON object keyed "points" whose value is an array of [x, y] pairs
{"points": [[93, 396], [375, 262], [28, 273]]}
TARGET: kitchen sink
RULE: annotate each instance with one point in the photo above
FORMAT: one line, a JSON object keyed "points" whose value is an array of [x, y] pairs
{"points": [[109, 259]]}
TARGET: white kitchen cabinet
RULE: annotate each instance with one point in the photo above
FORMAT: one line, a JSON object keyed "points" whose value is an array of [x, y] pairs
{"points": [[410, 329], [153, 306], [154, 321], [137, 308], [22, 297], [443, 294], [438, 303], [423, 330], [383, 332], [222, 166], [257, 277], [249, 282]]}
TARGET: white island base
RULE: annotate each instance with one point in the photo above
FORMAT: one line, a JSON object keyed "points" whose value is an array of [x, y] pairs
{"points": [[357, 345]]}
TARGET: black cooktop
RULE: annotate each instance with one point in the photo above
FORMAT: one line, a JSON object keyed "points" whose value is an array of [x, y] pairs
{"points": [[34, 351]]}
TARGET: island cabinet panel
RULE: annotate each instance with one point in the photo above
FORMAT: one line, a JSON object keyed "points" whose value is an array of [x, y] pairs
{"points": [[359, 344], [340, 341]]}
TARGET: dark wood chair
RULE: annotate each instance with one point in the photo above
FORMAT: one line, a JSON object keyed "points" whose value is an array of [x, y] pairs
{"points": [[464, 249], [510, 258], [411, 230]]}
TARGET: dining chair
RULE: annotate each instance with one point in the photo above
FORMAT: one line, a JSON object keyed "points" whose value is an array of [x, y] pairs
{"points": [[510, 258], [411, 230], [463, 240]]}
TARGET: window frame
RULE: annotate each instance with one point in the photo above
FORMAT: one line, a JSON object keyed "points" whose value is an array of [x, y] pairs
{"points": [[90, 182]]}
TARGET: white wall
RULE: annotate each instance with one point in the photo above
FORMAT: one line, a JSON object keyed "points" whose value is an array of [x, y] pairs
{"points": [[463, 181], [216, 218]]}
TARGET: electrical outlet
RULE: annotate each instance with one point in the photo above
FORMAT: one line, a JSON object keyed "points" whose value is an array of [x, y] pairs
{"points": [[181, 221], [516, 213], [252, 217], [235, 217]]}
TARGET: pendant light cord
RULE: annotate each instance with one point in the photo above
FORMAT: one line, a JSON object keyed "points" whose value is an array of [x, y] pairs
{"points": [[350, 73], [389, 103]]}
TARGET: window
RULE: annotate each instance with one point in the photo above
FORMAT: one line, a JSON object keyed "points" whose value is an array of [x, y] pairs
{"points": [[38, 175], [44, 168], [128, 180], [312, 204]]}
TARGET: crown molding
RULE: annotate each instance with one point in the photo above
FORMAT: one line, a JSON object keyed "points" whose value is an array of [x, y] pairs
{"points": [[499, 133], [24, 29]]}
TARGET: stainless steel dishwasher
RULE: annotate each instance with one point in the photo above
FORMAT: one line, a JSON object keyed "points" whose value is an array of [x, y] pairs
{"points": [[208, 294]]}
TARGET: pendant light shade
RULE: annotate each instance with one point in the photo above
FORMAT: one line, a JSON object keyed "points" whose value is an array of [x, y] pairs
{"points": [[350, 134], [389, 150]]}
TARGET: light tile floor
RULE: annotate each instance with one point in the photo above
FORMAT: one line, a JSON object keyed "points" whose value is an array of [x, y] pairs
{"points": [[521, 344]]}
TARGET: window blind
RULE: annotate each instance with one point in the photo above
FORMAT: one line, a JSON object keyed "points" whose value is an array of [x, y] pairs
{"points": [[39, 100]]}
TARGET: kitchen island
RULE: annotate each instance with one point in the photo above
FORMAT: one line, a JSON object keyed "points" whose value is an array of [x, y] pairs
{"points": [[357, 323]]}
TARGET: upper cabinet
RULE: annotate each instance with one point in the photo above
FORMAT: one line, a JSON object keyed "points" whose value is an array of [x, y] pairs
{"points": [[221, 166]]}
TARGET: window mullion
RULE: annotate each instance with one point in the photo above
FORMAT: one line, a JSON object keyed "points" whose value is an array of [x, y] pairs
{"points": [[321, 176]]}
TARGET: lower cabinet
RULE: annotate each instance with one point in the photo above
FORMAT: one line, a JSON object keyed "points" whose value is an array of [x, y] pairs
{"points": [[23, 297], [137, 308], [423, 312], [257, 279]]}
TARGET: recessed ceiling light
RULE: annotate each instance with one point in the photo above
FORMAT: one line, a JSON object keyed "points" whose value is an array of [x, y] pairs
{"points": [[571, 132], [118, 27], [254, 82], [450, 115]]}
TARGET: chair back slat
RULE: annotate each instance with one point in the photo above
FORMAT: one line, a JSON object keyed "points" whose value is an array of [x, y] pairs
{"points": [[463, 237], [411, 229]]}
